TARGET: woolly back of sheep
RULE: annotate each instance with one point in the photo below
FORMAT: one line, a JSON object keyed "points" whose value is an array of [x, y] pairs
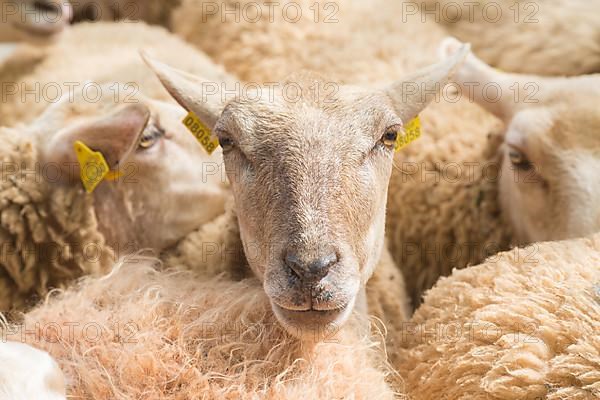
{"points": [[523, 325], [47, 237]]}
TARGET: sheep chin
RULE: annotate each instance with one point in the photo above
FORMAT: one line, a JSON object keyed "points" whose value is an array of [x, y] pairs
{"points": [[313, 325]]}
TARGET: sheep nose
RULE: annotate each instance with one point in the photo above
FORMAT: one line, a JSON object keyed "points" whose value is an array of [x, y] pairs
{"points": [[311, 271]]}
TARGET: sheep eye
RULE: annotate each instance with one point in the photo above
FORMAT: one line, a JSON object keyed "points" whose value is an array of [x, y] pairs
{"points": [[390, 136], [151, 135], [518, 159], [226, 143]]}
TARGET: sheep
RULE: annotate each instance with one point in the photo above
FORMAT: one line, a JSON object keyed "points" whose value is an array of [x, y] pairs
{"points": [[52, 231], [191, 323], [545, 37], [486, 201], [142, 331], [523, 325], [28, 373], [33, 21], [311, 221], [549, 148], [152, 12], [453, 131], [443, 204], [443, 207], [79, 61]]}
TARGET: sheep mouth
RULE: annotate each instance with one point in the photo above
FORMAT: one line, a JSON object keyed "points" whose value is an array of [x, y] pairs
{"points": [[313, 310], [311, 323]]}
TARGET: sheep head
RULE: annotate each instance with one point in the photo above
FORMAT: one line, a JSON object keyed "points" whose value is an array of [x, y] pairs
{"points": [[163, 172], [309, 175], [33, 20], [549, 183]]}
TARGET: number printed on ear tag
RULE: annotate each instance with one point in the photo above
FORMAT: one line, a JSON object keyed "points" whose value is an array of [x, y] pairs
{"points": [[412, 131], [93, 168], [201, 132]]}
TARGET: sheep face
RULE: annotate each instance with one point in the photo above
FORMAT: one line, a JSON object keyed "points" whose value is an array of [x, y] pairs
{"points": [[310, 183], [146, 144], [549, 184], [33, 21], [309, 178]]}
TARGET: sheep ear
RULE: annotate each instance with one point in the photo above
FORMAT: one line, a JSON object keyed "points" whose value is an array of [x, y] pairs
{"points": [[472, 68], [411, 95], [188, 91], [479, 74], [115, 135]]}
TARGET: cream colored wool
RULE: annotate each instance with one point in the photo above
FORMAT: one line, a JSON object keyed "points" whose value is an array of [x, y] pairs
{"points": [[543, 37], [49, 233], [442, 204], [443, 208], [213, 249], [389, 304], [170, 335], [523, 325], [264, 50], [99, 53]]}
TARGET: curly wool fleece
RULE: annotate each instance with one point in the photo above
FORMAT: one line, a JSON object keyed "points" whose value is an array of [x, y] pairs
{"points": [[523, 325], [172, 335], [48, 233]]}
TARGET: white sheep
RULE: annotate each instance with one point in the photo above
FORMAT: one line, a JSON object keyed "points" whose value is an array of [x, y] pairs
{"points": [[452, 131], [52, 231], [324, 292], [523, 325], [28, 373], [94, 71], [311, 220], [544, 37], [443, 206], [500, 193]]}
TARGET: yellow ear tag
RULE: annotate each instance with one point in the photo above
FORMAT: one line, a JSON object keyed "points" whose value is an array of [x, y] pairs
{"points": [[201, 132], [412, 131], [93, 168]]}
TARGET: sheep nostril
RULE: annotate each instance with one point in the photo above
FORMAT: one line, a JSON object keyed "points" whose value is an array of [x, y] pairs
{"points": [[313, 270], [293, 263]]}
